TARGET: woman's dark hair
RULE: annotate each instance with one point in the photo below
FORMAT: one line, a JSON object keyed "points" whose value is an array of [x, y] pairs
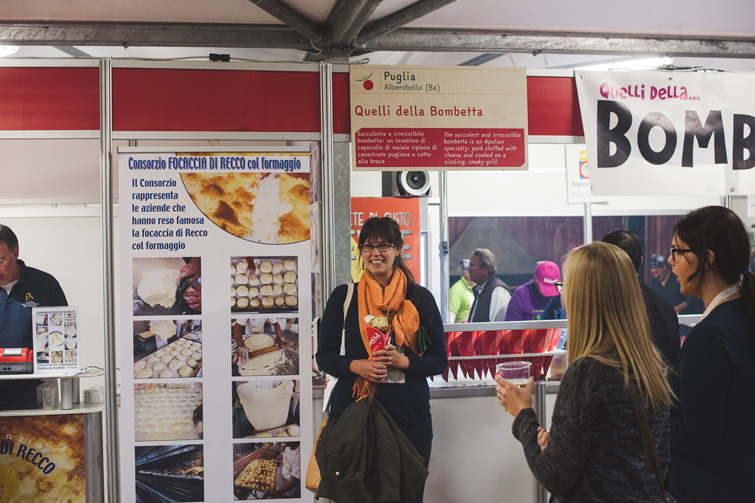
{"points": [[720, 230], [385, 229]]}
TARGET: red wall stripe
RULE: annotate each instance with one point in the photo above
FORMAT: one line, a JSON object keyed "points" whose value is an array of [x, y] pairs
{"points": [[553, 107], [215, 100], [40, 99]]}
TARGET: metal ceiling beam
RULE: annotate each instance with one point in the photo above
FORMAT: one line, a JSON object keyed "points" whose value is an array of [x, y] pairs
{"points": [[481, 59], [440, 40], [292, 18], [405, 39], [349, 18], [399, 19], [153, 35]]}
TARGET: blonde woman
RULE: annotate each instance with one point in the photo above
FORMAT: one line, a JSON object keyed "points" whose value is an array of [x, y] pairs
{"points": [[594, 451]]}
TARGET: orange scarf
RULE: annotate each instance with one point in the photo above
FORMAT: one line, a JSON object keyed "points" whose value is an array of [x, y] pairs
{"points": [[375, 301]]}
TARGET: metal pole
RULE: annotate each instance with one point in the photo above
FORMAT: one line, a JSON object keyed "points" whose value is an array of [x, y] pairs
{"points": [[106, 202], [327, 217], [444, 266], [95, 489], [587, 223], [726, 202]]}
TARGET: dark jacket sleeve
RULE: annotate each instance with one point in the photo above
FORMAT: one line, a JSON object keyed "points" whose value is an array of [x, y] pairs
{"points": [[705, 370], [56, 293], [435, 359], [328, 355], [561, 465]]}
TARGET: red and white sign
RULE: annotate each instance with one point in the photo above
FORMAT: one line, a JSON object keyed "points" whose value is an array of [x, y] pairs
{"points": [[438, 118], [404, 210]]}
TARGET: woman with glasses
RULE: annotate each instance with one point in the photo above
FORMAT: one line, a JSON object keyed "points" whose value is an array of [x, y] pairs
{"points": [[713, 425], [594, 451], [417, 347]]}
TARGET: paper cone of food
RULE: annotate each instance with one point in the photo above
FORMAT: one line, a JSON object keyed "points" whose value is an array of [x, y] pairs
{"points": [[378, 331]]}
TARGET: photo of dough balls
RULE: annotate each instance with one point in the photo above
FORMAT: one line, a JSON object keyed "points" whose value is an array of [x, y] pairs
{"points": [[271, 284], [181, 342], [165, 411]]}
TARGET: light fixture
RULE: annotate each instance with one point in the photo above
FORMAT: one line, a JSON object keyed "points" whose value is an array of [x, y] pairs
{"points": [[7, 50], [630, 64]]}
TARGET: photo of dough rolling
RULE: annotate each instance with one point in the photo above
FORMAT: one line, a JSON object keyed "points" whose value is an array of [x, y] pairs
{"points": [[167, 286], [266, 471], [171, 411], [264, 285], [270, 208], [264, 346], [169, 473], [165, 349], [266, 408]]}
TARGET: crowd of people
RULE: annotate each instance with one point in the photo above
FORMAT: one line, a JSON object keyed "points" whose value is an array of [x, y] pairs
{"points": [[639, 416]]}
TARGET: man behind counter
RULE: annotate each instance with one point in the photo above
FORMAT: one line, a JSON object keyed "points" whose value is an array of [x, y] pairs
{"points": [[21, 289]]}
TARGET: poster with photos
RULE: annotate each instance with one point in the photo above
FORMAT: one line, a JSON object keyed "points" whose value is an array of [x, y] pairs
{"points": [[56, 340], [200, 227]]}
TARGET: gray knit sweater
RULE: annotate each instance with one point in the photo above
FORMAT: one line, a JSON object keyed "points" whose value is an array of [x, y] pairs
{"points": [[595, 450]]}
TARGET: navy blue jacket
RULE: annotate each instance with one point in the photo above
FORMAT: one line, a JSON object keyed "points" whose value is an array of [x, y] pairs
{"points": [[712, 433], [34, 288], [408, 404]]}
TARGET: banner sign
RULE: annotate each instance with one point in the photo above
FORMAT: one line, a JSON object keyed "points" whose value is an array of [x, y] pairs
{"points": [[404, 210], [42, 459], [438, 118], [668, 133], [190, 224]]}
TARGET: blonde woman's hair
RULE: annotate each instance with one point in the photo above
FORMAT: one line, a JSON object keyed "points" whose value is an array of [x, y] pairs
{"points": [[607, 319]]}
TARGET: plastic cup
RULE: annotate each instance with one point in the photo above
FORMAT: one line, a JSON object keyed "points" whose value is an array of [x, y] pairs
{"points": [[48, 398], [517, 373]]}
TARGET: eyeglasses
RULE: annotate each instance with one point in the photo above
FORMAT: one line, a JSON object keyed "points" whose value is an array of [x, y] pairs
{"points": [[678, 251], [559, 285], [382, 247]]}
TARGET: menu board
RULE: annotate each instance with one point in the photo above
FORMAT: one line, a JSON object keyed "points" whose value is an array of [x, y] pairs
{"points": [[214, 325], [56, 340]]}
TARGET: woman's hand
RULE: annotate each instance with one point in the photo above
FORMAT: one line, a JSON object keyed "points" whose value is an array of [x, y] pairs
{"points": [[371, 370], [542, 438], [392, 358], [512, 398]]}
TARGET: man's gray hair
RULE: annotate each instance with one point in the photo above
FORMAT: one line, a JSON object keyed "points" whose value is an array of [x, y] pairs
{"points": [[487, 260]]}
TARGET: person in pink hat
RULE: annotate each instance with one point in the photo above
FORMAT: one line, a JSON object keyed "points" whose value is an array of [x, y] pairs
{"points": [[530, 299]]}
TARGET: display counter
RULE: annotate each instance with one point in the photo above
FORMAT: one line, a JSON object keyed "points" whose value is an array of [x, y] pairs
{"points": [[50, 445]]}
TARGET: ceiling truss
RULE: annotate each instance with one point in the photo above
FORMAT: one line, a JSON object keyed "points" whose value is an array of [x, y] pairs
{"points": [[401, 39]]}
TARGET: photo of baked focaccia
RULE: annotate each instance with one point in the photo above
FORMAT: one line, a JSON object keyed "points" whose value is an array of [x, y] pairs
{"points": [[270, 208]]}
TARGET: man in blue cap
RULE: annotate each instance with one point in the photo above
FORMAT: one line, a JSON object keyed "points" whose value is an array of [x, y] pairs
{"points": [[461, 295]]}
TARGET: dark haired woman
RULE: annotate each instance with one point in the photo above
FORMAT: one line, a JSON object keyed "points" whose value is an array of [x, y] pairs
{"points": [[713, 426], [387, 288]]}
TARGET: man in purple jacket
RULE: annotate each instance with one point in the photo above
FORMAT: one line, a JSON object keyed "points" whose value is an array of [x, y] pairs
{"points": [[530, 299]]}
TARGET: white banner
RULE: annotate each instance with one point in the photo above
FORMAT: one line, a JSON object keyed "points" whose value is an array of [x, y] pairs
{"points": [[215, 311], [669, 133]]}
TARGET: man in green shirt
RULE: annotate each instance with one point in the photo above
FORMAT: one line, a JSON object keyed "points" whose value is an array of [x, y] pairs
{"points": [[461, 296]]}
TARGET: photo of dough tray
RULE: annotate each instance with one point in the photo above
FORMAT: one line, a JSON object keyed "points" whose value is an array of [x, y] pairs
{"points": [[263, 459]]}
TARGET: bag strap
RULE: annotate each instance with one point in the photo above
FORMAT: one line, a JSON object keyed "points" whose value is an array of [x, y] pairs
{"points": [[346, 304], [647, 438]]}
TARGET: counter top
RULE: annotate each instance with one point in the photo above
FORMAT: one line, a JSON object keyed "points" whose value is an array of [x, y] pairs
{"points": [[78, 408]]}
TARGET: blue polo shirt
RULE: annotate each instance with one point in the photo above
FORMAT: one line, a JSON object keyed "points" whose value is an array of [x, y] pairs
{"points": [[34, 288]]}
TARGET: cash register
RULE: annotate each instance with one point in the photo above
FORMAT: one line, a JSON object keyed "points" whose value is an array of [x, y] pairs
{"points": [[16, 361]]}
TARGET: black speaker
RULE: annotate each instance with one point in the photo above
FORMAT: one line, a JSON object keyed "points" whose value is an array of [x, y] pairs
{"points": [[406, 183]]}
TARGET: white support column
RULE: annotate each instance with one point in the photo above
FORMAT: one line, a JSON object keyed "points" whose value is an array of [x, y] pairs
{"points": [[106, 203]]}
